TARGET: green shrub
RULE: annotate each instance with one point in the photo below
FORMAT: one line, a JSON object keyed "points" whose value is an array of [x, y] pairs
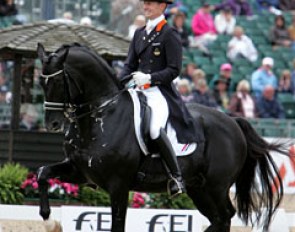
{"points": [[94, 197], [11, 178], [164, 202]]}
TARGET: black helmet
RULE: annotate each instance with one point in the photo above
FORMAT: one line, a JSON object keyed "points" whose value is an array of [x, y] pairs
{"points": [[160, 1]]}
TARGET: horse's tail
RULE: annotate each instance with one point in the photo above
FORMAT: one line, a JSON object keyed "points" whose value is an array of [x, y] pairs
{"points": [[250, 197]]}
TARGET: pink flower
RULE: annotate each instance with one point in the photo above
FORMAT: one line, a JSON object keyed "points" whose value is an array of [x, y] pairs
{"points": [[35, 185]]}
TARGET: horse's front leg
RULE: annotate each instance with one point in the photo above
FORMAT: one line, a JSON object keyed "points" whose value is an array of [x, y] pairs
{"points": [[65, 171], [119, 201]]}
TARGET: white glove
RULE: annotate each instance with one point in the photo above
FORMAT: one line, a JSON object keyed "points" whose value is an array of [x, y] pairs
{"points": [[141, 78]]}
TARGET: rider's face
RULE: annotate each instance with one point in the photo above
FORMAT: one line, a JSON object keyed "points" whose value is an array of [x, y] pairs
{"points": [[153, 10]]}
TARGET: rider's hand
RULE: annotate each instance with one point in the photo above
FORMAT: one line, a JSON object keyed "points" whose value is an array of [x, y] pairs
{"points": [[141, 79]]}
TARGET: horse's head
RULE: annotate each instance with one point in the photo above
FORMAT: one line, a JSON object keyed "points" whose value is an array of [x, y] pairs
{"points": [[71, 77], [53, 82]]}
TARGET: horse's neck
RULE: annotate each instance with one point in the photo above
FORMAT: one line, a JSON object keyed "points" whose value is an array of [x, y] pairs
{"points": [[113, 124]]}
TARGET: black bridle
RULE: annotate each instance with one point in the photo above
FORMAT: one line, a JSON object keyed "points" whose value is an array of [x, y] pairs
{"points": [[69, 108]]}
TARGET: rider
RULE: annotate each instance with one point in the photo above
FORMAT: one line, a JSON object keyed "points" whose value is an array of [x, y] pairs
{"points": [[154, 61]]}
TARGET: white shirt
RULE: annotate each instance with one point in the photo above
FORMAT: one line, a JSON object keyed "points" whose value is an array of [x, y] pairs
{"points": [[151, 24], [223, 26]]}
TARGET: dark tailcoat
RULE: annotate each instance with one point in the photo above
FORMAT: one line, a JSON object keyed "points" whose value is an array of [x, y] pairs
{"points": [[160, 54]]}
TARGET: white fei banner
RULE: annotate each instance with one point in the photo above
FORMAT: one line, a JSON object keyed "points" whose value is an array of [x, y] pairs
{"points": [[89, 219]]}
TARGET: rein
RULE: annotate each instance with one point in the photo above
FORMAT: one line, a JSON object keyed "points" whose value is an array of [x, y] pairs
{"points": [[70, 109]]}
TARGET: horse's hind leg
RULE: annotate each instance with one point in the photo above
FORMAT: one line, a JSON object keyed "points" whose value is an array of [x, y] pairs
{"points": [[65, 171], [219, 212]]}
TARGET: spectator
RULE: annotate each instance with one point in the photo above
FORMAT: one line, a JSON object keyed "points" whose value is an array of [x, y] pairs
{"points": [[86, 21], [241, 46], [139, 21], [268, 106], [197, 75], [241, 103], [188, 71], [221, 94], [268, 5], [263, 76], [7, 8], [285, 85], [3, 94], [287, 5], [238, 7], [279, 35], [226, 74], [291, 30], [179, 25], [185, 90], [176, 7], [203, 28], [29, 118], [225, 22], [293, 77], [202, 94], [67, 18]]}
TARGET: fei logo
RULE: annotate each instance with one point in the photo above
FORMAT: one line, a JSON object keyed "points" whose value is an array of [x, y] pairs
{"points": [[89, 219], [171, 223]]}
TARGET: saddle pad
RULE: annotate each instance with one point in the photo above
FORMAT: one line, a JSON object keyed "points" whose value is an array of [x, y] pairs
{"points": [[180, 149]]}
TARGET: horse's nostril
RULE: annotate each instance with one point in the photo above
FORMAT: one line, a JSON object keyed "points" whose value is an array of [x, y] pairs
{"points": [[55, 124]]}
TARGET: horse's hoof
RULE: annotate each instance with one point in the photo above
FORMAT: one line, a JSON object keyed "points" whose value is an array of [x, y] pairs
{"points": [[52, 226], [45, 214]]}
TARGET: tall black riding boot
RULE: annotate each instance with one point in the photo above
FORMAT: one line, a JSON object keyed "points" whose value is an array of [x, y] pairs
{"points": [[175, 184]]}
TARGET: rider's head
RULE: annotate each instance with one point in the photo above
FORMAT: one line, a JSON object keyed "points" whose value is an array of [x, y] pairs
{"points": [[154, 8]]}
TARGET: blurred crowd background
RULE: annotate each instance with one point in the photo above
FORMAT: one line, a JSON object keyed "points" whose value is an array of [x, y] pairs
{"points": [[238, 55]]}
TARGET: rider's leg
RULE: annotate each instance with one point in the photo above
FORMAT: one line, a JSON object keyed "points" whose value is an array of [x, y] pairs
{"points": [[175, 185], [159, 118]]}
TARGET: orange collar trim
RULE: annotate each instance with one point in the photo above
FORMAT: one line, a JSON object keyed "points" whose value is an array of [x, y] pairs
{"points": [[161, 25]]}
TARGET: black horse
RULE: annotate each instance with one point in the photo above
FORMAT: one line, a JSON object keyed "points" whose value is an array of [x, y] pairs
{"points": [[101, 146]]}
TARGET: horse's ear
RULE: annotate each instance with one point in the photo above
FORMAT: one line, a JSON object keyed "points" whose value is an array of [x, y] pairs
{"points": [[41, 52], [63, 56]]}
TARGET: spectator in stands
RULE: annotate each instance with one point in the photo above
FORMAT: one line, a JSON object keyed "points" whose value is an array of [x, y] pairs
{"points": [[202, 94], [203, 28], [29, 118], [287, 5], [3, 93], [67, 18], [86, 21], [185, 90], [285, 85], [271, 6], [263, 76], [138, 22], [279, 35], [7, 8], [225, 73], [179, 24], [176, 7], [293, 77], [241, 103], [291, 30], [268, 106], [221, 94], [238, 7], [241, 46], [197, 75], [188, 71], [225, 22]]}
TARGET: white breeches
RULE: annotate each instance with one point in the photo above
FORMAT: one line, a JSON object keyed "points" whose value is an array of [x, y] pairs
{"points": [[159, 108]]}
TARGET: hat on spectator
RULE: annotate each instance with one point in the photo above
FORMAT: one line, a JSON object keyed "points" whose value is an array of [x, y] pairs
{"points": [[226, 67], [268, 61]]}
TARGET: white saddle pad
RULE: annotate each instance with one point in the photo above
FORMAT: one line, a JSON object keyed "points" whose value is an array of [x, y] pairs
{"points": [[180, 149]]}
